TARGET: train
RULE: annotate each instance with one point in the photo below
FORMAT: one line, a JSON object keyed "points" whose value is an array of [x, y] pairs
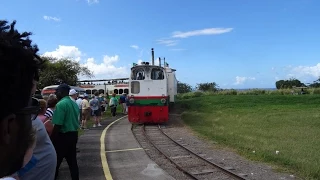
{"points": [[108, 87], [153, 91], [52, 90]]}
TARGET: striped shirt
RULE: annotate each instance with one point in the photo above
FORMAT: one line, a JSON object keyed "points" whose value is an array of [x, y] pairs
{"points": [[49, 113]]}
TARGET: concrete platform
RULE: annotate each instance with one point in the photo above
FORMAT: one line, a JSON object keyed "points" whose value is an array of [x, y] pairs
{"points": [[89, 159], [126, 159]]}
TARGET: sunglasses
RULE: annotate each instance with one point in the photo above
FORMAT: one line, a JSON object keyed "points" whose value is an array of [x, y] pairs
{"points": [[32, 109]]}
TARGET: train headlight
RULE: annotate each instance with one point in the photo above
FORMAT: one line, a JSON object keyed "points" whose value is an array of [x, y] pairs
{"points": [[163, 100], [131, 100]]}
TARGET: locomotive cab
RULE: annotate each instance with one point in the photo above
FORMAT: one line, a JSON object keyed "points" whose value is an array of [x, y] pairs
{"points": [[152, 89], [148, 98], [148, 80]]}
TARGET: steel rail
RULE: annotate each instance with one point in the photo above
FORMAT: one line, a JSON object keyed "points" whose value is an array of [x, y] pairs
{"points": [[179, 167], [226, 171]]}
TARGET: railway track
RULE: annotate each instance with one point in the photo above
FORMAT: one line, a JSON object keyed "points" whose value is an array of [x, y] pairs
{"points": [[190, 163]]}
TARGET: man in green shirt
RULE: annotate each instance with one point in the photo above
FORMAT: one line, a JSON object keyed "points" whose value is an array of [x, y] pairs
{"points": [[65, 132]]}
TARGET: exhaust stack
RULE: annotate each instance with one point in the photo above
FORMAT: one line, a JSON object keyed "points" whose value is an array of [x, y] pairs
{"points": [[152, 54], [159, 61]]}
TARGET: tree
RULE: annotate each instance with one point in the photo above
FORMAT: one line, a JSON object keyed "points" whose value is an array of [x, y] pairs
{"points": [[184, 87], [285, 84], [57, 71], [207, 87], [315, 84]]}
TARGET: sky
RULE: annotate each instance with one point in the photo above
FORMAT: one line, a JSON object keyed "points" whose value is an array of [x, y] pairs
{"points": [[237, 44]]}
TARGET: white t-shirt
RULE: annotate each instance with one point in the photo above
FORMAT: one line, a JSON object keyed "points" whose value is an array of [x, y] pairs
{"points": [[79, 103]]}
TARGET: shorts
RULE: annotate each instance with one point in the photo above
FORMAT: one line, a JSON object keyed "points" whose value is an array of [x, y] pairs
{"points": [[97, 112], [103, 109]]}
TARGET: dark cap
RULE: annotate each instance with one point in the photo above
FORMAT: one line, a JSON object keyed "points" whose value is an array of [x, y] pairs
{"points": [[63, 87]]}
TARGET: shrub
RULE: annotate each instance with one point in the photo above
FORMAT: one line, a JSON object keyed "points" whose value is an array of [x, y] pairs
{"points": [[248, 92], [198, 94]]}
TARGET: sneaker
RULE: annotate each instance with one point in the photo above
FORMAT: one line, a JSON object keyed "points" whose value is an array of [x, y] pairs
{"points": [[94, 126], [99, 125]]}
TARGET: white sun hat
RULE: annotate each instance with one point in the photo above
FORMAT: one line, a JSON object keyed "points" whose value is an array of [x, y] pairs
{"points": [[72, 92]]}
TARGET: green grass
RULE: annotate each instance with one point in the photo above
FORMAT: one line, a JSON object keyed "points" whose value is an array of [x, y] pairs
{"points": [[265, 124], [106, 114], [295, 91]]}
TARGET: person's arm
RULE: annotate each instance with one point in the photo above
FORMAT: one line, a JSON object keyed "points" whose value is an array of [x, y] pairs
{"points": [[49, 127], [57, 120], [31, 164], [90, 105]]}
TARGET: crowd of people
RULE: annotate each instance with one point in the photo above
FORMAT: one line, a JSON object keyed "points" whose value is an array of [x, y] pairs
{"points": [[37, 134]]}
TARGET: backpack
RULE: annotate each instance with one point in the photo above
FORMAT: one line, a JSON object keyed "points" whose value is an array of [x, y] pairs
{"points": [[101, 99]]}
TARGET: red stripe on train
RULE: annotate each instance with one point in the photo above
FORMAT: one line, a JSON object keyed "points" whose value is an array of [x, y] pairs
{"points": [[49, 91], [122, 85]]}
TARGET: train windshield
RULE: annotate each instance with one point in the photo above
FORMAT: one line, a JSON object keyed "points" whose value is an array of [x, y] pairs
{"points": [[157, 74], [138, 74]]}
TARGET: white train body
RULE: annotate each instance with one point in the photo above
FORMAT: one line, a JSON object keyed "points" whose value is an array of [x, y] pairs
{"points": [[153, 81], [172, 84], [105, 89], [152, 92]]}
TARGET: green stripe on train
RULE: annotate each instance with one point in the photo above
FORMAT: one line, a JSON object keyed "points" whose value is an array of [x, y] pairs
{"points": [[149, 102]]}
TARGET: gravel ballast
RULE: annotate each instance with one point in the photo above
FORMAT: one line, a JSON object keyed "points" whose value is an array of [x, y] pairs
{"points": [[181, 133], [223, 157]]}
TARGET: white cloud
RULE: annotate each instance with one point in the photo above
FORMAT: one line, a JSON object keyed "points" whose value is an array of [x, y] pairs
{"points": [[167, 42], [105, 69], [134, 47], [208, 31], [65, 52], [242, 80], [306, 71], [49, 18], [92, 1], [179, 34]]}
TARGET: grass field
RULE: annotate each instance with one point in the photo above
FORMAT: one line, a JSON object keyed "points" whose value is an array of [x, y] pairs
{"points": [[256, 126]]}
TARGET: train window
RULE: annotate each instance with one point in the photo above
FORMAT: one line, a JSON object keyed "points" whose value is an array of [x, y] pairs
{"points": [[88, 91], [116, 91], [138, 74], [101, 91], [94, 91], [120, 91], [135, 87], [157, 74], [126, 91]]}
